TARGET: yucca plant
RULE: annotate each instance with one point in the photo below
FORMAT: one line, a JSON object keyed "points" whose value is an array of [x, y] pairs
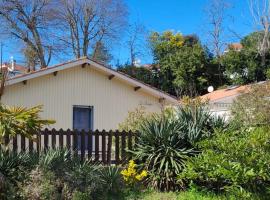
{"points": [[112, 180], [197, 122], [56, 160], [19, 120], [163, 150]]}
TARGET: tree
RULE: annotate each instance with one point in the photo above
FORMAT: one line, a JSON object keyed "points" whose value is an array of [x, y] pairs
{"points": [[182, 61], [90, 21], [216, 13], [101, 53], [30, 21], [136, 33], [244, 66], [31, 57], [148, 76], [260, 11]]}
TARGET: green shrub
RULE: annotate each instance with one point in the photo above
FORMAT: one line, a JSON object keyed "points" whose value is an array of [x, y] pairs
{"points": [[19, 120], [167, 140], [85, 178], [253, 107], [232, 161], [197, 122], [40, 185], [162, 149], [13, 170], [112, 181]]}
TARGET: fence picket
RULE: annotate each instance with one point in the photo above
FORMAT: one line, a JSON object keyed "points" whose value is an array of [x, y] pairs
{"points": [[96, 145], [75, 142], [103, 146], [90, 144], [82, 145], [123, 146], [117, 149], [109, 148], [99, 144], [14, 144]]}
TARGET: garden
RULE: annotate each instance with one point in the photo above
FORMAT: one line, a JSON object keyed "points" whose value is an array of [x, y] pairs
{"points": [[182, 153]]}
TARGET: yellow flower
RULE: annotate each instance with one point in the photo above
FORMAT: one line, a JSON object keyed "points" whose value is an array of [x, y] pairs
{"points": [[144, 173]]}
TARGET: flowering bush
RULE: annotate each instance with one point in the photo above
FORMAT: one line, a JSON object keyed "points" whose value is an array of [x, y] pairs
{"points": [[131, 175]]}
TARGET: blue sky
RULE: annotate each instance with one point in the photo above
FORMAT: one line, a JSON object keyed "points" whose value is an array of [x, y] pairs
{"points": [[185, 16]]}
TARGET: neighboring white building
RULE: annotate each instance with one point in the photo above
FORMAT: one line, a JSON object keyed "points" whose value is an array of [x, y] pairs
{"points": [[221, 100], [83, 94]]}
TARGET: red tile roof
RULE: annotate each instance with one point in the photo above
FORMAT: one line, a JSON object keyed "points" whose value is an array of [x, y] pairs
{"points": [[223, 93]]}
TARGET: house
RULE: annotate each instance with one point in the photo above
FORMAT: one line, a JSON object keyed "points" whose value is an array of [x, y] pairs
{"points": [[83, 94], [234, 47], [221, 100], [14, 69]]}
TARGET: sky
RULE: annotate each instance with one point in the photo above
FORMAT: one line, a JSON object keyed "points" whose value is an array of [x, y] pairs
{"points": [[185, 16]]}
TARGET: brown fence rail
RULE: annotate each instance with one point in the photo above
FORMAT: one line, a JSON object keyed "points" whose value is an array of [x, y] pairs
{"points": [[108, 147]]}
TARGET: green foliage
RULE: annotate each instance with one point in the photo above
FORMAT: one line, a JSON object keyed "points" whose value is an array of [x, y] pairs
{"points": [[232, 161], [167, 140], [133, 120], [198, 123], [40, 185], [252, 108], [247, 65], [182, 62], [148, 76], [112, 180], [163, 150], [19, 120]]}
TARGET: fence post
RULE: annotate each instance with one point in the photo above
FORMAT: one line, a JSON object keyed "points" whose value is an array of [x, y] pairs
{"points": [[82, 145], [22, 143], [123, 146], [90, 144], [109, 148], [103, 146], [14, 144], [117, 149], [61, 143], [75, 142], [96, 145], [46, 140], [54, 132]]}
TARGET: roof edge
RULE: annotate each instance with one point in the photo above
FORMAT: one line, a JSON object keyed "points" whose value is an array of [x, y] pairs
{"points": [[100, 66]]}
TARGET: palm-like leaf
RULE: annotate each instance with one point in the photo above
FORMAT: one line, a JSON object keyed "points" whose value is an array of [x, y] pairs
{"points": [[19, 120], [163, 149]]}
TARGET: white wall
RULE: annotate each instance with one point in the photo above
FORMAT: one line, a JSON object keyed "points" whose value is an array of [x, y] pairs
{"points": [[111, 99]]}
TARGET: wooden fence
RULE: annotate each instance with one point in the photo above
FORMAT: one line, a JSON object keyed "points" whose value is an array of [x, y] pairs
{"points": [[108, 147]]}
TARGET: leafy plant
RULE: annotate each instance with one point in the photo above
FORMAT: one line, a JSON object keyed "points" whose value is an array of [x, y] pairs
{"points": [[19, 120], [112, 181], [198, 123], [40, 185], [253, 107], [162, 149], [232, 161]]}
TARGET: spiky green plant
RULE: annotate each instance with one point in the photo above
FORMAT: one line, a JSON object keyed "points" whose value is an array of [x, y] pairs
{"points": [[163, 149], [112, 180], [197, 122], [19, 120]]}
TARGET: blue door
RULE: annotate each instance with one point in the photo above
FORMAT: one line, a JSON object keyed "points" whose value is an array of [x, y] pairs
{"points": [[82, 120]]}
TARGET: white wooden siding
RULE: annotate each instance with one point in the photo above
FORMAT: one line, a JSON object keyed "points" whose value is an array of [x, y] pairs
{"points": [[111, 99]]}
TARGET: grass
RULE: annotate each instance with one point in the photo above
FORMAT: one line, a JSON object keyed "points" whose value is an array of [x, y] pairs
{"points": [[188, 195]]}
